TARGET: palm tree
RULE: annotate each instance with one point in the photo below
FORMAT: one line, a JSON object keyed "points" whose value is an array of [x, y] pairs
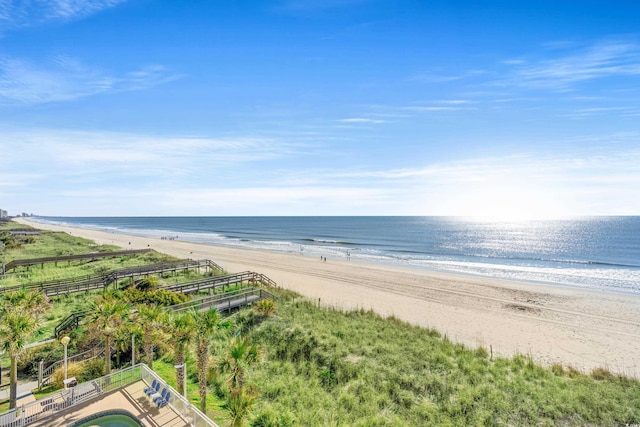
{"points": [[182, 328], [208, 324], [108, 315], [122, 338], [33, 302], [241, 355], [239, 404], [15, 329], [19, 311], [151, 319]]}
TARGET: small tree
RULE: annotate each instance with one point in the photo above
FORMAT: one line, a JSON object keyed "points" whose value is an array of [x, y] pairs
{"points": [[16, 328], [19, 312], [182, 328], [108, 315], [152, 320], [241, 355], [208, 324]]}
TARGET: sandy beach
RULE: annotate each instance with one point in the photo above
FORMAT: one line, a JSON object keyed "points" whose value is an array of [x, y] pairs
{"points": [[553, 324]]}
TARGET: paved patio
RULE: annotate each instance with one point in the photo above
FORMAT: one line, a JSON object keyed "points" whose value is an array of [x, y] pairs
{"points": [[130, 398]]}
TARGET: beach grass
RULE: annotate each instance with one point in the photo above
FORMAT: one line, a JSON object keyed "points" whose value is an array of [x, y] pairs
{"points": [[323, 366]]}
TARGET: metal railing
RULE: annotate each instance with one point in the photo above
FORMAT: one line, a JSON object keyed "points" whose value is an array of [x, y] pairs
{"points": [[41, 409], [44, 377]]}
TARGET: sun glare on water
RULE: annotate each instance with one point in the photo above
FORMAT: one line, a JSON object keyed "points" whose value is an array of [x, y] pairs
{"points": [[510, 204]]}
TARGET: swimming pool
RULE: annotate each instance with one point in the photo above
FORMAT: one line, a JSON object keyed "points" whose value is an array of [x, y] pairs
{"points": [[113, 418]]}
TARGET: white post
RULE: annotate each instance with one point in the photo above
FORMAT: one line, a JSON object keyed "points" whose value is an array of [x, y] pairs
{"points": [[133, 350], [65, 342]]}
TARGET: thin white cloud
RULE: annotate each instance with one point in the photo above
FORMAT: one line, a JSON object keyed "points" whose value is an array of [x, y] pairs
{"points": [[438, 76], [65, 79], [431, 108], [361, 120], [585, 113], [455, 101], [17, 179], [604, 59], [110, 155], [24, 13]]}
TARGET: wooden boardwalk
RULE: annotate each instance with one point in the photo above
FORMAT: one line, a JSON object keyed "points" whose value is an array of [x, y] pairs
{"points": [[90, 256], [226, 300], [102, 281]]}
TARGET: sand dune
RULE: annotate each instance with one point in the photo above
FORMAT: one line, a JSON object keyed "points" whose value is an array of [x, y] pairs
{"points": [[553, 324]]}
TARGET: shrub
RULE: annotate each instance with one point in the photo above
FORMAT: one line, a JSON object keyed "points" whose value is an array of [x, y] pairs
{"points": [[160, 297], [73, 370], [265, 307], [269, 418], [601, 374], [92, 369], [28, 363]]}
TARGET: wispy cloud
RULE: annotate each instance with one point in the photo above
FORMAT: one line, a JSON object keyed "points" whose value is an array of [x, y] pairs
{"points": [[88, 155], [24, 13], [439, 76], [363, 120], [585, 113], [601, 60], [65, 79]]}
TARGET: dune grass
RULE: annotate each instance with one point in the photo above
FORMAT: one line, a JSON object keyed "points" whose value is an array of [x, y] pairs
{"points": [[328, 367]]}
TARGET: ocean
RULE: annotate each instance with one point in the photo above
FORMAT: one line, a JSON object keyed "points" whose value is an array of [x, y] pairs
{"points": [[590, 252]]}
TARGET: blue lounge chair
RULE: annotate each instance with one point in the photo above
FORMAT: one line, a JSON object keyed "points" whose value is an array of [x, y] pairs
{"points": [[155, 385], [165, 400], [162, 396]]}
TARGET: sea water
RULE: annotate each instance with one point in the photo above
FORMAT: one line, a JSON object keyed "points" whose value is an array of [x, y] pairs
{"points": [[591, 252]]}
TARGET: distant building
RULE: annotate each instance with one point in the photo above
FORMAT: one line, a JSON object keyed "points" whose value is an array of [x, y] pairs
{"points": [[3, 213]]}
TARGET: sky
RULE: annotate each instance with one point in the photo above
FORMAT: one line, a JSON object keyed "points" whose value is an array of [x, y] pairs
{"points": [[509, 109]]}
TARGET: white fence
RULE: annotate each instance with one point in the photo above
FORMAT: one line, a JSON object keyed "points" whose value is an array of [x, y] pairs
{"points": [[33, 412]]}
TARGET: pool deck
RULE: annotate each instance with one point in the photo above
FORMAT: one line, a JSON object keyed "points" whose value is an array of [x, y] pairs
{"points": [[130, 398]]}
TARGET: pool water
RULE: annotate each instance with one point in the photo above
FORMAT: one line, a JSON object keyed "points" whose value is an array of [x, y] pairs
{"points": [[109, 419]]}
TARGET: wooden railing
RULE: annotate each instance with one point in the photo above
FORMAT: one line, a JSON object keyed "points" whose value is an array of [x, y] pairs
{"points": [[73, 320], [91, 256], [87, 283], [224, 302]]}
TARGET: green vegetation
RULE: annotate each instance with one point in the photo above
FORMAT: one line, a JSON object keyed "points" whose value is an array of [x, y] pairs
{"points": [[19, 313], [328, 367], [292, 363]]}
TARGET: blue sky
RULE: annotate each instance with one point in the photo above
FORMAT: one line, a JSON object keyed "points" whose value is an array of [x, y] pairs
{"points": [[320, 107]]}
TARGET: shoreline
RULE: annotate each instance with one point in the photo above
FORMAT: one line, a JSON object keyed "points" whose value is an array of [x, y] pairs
{"points": [[582, 328]]}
